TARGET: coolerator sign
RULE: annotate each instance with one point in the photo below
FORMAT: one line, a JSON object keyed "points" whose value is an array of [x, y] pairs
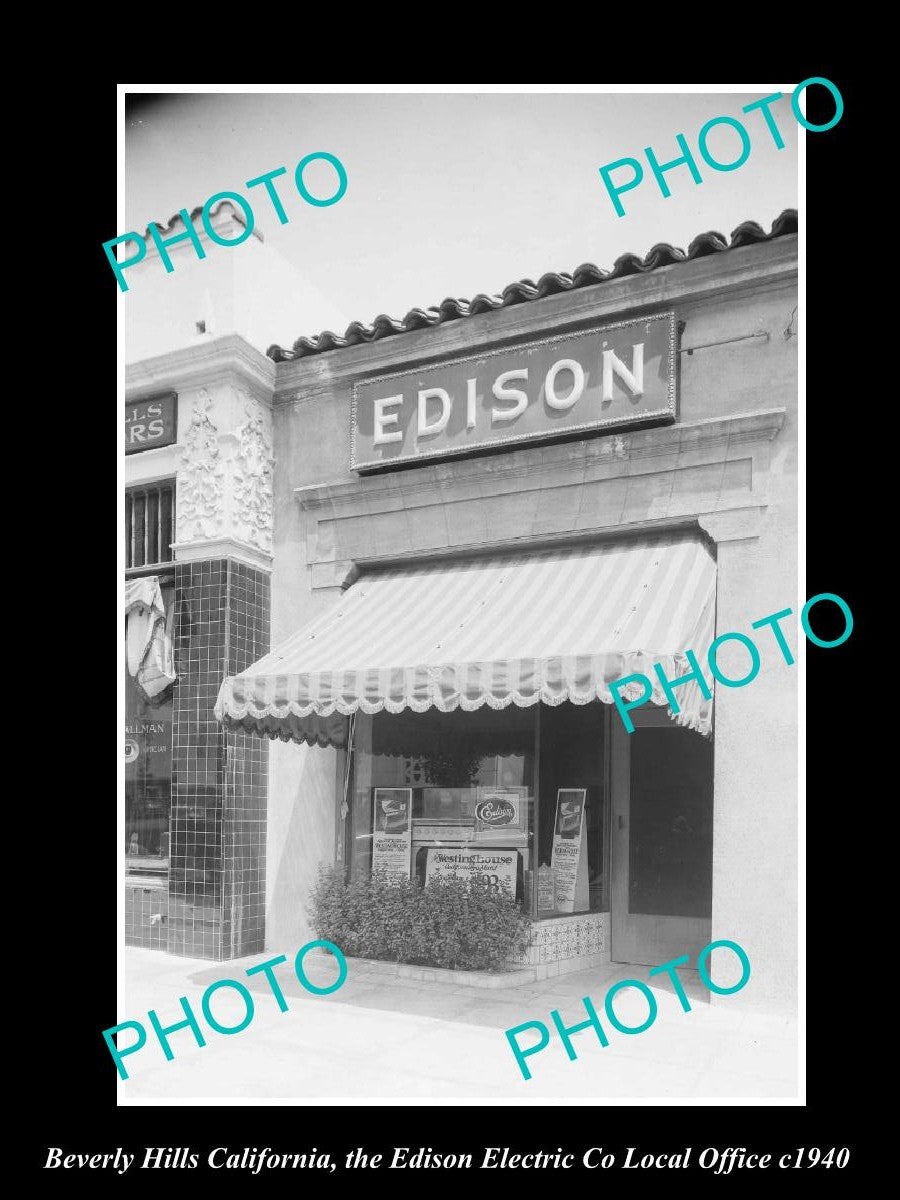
{"points": [[595, 379], [497, 811]]}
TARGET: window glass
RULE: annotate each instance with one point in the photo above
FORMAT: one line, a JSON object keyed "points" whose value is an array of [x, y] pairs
{"points": [[149, 524], [148, 773], [446, 794], [572, 875]]}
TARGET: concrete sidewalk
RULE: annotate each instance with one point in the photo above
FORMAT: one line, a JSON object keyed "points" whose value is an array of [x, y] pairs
{"points": [[387, 1038]]}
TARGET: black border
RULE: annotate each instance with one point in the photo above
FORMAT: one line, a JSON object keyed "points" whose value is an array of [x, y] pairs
{"points": [[70, 1091]]}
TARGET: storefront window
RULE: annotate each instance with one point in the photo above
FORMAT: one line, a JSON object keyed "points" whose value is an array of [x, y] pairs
{"points": [[148, 773], [455, 794], [573, 753], [467, 782]]}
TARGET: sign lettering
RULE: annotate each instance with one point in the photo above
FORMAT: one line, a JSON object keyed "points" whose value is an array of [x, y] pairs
{"points": [[151, 423], [493, 869], [577, 383]]}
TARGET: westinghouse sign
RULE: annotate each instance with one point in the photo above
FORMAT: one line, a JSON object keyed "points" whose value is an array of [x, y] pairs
{"points": [[608, 376]]}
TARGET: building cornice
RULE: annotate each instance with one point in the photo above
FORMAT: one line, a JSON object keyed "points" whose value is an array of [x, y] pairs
{"points": [[198, 365], [522, 469], [205, 549], [714, 473]]}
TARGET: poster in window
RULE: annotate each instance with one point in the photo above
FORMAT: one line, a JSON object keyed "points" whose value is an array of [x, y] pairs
{"points": [[391, 832], [569, 860], [546, 890], [495, 869]]}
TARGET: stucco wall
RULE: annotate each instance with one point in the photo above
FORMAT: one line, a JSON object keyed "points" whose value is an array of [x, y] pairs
{"points": [[302, 779], [300, 836], [756, 728]]}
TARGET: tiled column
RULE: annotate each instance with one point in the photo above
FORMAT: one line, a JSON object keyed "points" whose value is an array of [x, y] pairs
{"points": [[222, 580], [246, 775]]}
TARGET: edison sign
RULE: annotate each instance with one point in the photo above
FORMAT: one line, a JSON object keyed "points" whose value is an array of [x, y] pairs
{"points": [[577, 383]]}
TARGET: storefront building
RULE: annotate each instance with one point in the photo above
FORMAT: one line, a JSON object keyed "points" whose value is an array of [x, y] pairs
{"points": [[464, 527], [198, 532]]}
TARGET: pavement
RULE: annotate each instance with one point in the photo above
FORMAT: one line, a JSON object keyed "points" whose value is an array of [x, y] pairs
{"points": [[382, 1038]]}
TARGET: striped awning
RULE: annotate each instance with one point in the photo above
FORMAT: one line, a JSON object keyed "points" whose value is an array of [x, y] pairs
{"points": [[508, 629], [547, 626]]}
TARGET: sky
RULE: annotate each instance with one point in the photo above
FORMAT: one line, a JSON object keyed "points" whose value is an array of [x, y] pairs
{"points": [[453, 194]]}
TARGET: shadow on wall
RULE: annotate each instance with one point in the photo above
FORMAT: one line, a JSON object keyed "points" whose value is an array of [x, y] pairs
{"points": [[299, 839]]}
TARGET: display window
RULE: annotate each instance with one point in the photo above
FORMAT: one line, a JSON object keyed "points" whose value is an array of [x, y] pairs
{"points": [[148, 772], [515, 797]]}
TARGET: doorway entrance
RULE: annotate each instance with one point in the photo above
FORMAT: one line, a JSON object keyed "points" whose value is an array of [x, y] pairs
{"points": [[662, 825]]}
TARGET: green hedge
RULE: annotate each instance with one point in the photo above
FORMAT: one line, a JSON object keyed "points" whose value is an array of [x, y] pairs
{"points": [[447, 923]]}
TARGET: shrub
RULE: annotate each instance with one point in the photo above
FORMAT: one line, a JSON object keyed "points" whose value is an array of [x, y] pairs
{"points": [[447, 923]]}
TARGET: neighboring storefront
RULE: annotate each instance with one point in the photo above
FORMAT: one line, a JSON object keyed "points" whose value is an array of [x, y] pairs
{"points": [[477, 519], [198, 516]]}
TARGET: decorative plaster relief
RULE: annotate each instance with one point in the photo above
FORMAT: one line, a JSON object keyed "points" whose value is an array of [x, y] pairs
{"points": [[252, 488], [200, 497], [225, 482]]}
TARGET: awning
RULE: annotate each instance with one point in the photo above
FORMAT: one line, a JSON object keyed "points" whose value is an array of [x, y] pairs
{"points": [[553, 625]]}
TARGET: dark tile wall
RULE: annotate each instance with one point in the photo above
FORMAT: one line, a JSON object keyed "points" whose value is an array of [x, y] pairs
{"points": [[246, 776], [198, 761], [216, 897], [146, 916]]}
